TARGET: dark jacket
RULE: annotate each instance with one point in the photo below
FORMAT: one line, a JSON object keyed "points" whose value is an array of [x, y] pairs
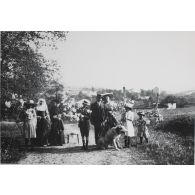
{"points": [[98, 114]]}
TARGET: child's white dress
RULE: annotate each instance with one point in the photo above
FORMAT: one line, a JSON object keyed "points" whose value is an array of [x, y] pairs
{"points": [[128, 118]]}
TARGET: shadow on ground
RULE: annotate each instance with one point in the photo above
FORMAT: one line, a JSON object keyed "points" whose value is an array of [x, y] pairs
{"points": [[59, 150]]}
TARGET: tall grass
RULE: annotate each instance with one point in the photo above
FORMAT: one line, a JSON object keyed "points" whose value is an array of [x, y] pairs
{"points": [[168, 148], [172, 141]]}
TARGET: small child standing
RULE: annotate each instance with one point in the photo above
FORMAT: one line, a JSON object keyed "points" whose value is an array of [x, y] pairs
{"points": [[142, 128]]}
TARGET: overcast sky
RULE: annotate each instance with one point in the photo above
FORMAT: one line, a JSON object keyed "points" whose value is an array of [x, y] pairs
{"points": [[131, 59]]}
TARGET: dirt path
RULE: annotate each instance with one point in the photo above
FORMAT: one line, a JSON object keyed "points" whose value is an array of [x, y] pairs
{"points": [[72, 154]]}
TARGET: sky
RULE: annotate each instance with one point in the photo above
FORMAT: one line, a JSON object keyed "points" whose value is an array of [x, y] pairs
{"points": [[114, 59]]}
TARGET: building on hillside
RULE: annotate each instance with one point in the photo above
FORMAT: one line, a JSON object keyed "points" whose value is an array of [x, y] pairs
{"points": [[171, 106]]}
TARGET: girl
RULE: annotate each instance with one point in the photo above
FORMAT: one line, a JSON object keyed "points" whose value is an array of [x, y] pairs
{"points": [[30, 122], [127, 120]]}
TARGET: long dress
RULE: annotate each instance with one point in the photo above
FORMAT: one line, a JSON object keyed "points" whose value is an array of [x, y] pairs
{"points": [[57, 127], [43, 127], [30, 122], [128, 123]]}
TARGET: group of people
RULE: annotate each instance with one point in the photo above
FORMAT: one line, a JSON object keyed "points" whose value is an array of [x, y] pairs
{"points": [[101, 115], [41, 127], [45, 127]]}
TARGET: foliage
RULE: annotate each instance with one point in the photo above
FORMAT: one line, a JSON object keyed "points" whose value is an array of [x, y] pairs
{"points": [[24, 70], [180, 101], [54, 91], [10, 150], [183, 125], [168, 148], [81, 96], [11, 141]]}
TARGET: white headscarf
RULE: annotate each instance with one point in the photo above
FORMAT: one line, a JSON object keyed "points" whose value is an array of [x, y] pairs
{"points": [[42, 107]]}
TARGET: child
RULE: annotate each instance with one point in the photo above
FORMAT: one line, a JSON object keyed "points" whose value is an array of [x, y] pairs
{"points": [[142, 128], [84, 123], [127, 120], [30, 121]]}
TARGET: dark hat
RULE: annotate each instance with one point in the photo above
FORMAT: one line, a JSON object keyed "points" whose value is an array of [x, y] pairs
{"points": [[99, 95], [86, 102], [107, 94], [141, 113]]}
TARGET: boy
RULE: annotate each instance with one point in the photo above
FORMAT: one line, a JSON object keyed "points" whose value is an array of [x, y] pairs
{"points": [[142, 128]]}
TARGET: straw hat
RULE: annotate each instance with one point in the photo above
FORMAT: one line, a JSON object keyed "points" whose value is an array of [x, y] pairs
{"points": [[128, 105]]}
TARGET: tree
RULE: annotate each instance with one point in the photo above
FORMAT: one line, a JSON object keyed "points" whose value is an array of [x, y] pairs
{"points": [[54, 91], [24, 70]]}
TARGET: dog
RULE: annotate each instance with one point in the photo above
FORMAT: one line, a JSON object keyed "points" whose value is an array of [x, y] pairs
{"points": [[112, 136]]}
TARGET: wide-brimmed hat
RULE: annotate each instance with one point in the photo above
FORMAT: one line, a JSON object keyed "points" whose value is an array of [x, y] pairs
{"points": [[107, 94], [141, 113], [128, 105]]}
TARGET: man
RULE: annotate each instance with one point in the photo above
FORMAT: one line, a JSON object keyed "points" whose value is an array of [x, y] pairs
{"points": [[109, 118], [97, 116]]}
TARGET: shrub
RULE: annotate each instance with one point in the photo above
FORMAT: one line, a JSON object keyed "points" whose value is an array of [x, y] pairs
{"points": [[10, 150], [11, 141], [168, 148], [183, 125]]}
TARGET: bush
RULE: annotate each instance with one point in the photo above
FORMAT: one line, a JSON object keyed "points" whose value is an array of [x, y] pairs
{"points": [[183, 125], [10, 150], [168, 148], [11, 141]]}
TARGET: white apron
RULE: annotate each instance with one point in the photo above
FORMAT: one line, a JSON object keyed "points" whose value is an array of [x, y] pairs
{"points": [[129, 117]]}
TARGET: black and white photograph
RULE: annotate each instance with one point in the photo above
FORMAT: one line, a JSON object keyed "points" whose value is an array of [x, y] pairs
{"points": [[97, 97]]}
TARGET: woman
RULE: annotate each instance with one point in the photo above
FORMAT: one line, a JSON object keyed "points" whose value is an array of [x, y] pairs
{"points": [[127, 120], [43, 123], [30, 122], [57, 126]]}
